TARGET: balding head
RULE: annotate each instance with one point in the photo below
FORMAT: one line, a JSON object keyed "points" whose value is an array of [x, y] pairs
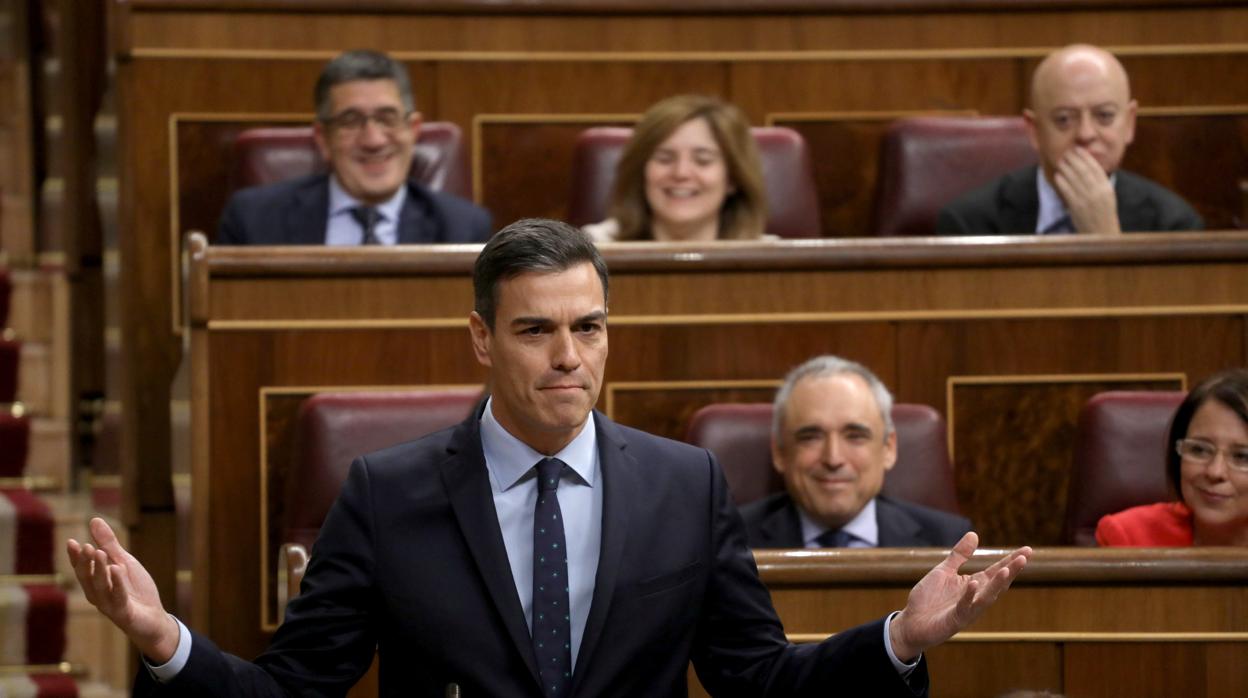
{"points": [[1080, 97]]}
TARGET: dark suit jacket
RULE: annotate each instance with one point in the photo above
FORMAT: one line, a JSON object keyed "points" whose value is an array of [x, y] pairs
{"points": [[296, 212], [411, 559], [773, 523], [1011, 204]]}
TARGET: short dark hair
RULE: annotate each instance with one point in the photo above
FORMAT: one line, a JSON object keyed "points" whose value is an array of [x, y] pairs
{"points": [[530, 245], [1229, 388], [360, 65]]}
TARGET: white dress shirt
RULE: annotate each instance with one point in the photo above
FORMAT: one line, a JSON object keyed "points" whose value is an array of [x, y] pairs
{"points": [[342, 230]]}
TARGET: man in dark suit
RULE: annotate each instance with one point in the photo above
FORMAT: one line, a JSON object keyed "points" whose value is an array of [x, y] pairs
{"points": [[600, 571], [1081, 120], [833, 442], [366, 127]]}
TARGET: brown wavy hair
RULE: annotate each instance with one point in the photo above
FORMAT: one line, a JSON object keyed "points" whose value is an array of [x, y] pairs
{"points": [[743, 214]]}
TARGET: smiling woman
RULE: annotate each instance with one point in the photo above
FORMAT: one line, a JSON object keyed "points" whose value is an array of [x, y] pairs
{"points": [[690, 172], [1207, 463]]}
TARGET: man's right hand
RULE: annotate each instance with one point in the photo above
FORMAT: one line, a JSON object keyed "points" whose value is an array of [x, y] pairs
{"points": [[1087, 192], [116, 583]]}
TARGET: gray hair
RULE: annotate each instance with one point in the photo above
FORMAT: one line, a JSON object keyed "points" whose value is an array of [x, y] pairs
{"points": [[360, 65], [530, 245], [829, 365]]}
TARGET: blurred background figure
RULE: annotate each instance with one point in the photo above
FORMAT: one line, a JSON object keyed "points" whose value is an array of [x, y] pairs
{"points": [[690, 172], [1207, 465]]}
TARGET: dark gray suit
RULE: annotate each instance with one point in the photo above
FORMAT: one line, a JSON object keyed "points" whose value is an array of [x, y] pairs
{"points": [[411, 560], [773, 523], [1011, 204], [296, 212]]}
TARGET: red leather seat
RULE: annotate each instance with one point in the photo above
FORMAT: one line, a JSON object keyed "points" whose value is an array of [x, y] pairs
{"points": [[10, 356], [267, 155], [927, 162], [1120, 457], [6, 290], [740, 437], [14, 442], [332, 429], [792, 202]]}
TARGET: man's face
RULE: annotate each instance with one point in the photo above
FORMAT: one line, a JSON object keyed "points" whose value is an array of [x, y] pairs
{"points": [[1080, 100], [546, 353], [368, 139], [833, 453]]}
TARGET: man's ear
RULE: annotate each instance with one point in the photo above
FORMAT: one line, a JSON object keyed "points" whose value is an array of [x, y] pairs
{"points": [[413, 122], [890, 451], [1132, 108], [480, 333], [1029, 122], [322, 139], [777, 455]]}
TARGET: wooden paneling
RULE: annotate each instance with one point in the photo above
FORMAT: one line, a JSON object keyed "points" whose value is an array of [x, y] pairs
{"points": [[1201, 156], [525, 166], [1017, 434], [690, 325]]}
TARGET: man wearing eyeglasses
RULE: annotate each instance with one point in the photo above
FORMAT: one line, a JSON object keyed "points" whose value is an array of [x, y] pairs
{"points": [[366, 127]]}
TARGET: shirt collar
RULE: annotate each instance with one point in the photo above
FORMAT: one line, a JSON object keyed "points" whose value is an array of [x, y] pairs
{"points": [[340, 202], [510, 460], [1052, 208], [863, 527]]}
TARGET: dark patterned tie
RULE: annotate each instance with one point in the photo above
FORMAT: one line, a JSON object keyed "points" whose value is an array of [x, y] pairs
{"points": [[834, 539], [367, 217], [552, 626], [1061, 226]]}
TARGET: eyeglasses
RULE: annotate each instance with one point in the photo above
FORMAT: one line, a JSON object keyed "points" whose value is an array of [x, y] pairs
{"points": [[1203, 452], [351, 121]]}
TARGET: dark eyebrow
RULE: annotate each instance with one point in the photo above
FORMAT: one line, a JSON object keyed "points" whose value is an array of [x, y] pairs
{"points": [[857, 426], [527, 321], [599, 316]]}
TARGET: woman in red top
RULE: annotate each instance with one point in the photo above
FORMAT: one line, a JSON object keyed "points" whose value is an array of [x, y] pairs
{"points": [[1208, 466]]}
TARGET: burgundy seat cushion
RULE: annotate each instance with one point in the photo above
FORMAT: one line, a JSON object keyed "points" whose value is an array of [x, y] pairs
{"points": [[14, 444], [332, 429], [1120, 457], [740, 437], [10, 355], [927, 162], [267, 155], [792, 202]]}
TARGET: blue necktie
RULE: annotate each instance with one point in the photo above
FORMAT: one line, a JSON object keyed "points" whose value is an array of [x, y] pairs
{"points": [[552, 626], [834, 539], [367, 217]]}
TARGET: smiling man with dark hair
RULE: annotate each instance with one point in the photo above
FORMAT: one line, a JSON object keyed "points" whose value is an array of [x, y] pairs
{"points": [[366, 128]]}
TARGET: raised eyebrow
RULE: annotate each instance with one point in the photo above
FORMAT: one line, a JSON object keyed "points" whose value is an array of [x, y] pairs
{"points": [[598, 316], [530, 321]]}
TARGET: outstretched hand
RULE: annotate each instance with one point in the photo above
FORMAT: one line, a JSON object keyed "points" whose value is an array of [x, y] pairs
{"points": [[945, 602], [116, 583]]}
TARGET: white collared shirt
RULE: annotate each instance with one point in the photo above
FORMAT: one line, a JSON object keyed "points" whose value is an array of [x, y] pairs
{"points": [[513, 481], [1052, 208], [343, 230], [863, 528]]}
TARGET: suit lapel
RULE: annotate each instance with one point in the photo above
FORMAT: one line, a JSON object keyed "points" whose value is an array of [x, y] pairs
{"points": [[782, 527], [897, 528], [468, 487], [620, 489], [1135, 212], [418, 219], [307, 219], [1020, 202]]}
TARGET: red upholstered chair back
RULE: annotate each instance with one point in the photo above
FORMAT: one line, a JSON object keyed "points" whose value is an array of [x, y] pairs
{"points": [[927, 162], [6, 289], [333, 429], [740, 437], [792, 202], [267, 155], [1120, 457], [14, 442], [10, 355]]}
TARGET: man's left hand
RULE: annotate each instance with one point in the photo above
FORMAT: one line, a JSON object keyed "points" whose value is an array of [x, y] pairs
{"points": [[945, 602]]}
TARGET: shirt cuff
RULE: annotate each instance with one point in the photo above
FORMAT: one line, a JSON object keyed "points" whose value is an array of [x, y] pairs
{"points": [[170, 669], [902, 668]]}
